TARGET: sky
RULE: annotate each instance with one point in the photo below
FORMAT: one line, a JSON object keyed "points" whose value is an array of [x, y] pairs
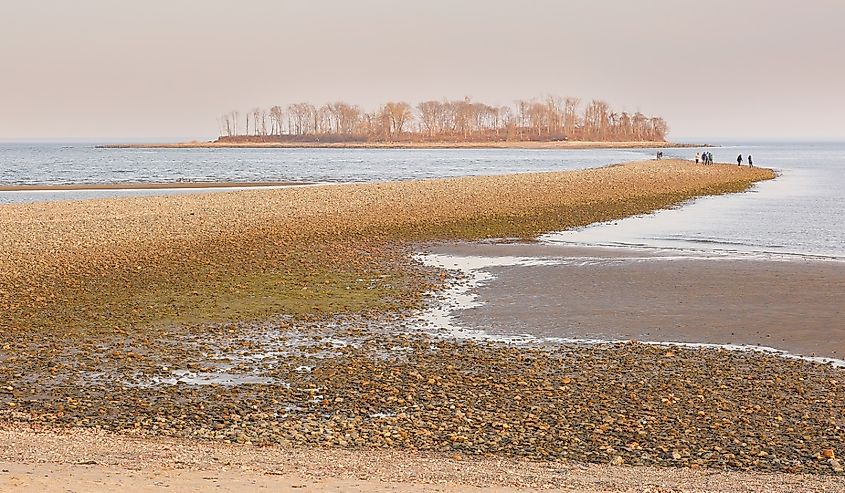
{"points": [[164, 70]]}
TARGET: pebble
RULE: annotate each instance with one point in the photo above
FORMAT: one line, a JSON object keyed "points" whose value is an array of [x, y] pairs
{"points": [[173, 316]]}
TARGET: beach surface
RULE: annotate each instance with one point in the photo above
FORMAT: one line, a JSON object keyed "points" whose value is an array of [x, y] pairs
{"points": [[90, 461], [553, 291], [296, 321]]}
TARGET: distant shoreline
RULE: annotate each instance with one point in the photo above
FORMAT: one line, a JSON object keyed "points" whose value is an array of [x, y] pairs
{"points": [[408, 145], [151, 185]]}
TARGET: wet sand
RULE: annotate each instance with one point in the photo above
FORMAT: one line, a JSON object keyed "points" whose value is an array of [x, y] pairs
{"points": [[613, 294]]}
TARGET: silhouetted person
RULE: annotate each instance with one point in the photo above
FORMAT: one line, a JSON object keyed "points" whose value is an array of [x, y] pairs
{"points": [[750, 164], [739, 160]]}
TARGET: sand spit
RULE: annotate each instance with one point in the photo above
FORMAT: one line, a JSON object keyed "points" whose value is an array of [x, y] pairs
{"points": [[151, 185], [111, 263], [91, 461], [409, 145]]}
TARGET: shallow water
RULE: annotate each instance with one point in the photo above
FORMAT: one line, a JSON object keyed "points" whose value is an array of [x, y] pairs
{"points": [[442, 318], [54, 164], [801, 213]]}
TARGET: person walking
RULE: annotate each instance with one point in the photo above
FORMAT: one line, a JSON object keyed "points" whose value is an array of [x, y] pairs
{"points": [[739, 160], [697, 155], [750, 163]]}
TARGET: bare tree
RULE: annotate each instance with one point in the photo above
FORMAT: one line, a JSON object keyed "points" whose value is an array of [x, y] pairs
{"points": [[302, 117], [276, 115], [342, 118], [570, 116], [398, 114], [256, 116], [431, 116], [550, 118]]}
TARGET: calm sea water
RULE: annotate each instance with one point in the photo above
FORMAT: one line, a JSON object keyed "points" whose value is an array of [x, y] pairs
{"points": [[80, 164], [801, 213]]}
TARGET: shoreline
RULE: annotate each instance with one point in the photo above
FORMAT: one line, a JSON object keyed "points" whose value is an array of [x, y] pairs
{"points": [[408, 145], [150, 186]]}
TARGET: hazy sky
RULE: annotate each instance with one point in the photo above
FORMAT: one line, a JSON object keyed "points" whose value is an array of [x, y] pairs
{"points": [[165, 69]]}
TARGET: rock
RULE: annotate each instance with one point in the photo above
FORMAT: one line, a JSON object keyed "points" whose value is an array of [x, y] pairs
{"points": [[488, 398]]}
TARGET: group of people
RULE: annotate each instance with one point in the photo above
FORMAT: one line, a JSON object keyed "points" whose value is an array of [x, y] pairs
{"points": [[707, 158], [704, 158], [739, 161]]}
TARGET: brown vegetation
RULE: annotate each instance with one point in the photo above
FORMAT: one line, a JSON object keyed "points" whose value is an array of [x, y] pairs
{"points": [[540, 120]]}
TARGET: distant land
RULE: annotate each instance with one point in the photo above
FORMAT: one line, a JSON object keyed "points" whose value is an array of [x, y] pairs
{"points": [[224, 143], [551, 122]]}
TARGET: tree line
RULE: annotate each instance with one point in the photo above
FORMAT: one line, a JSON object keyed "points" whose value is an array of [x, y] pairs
{"points": [[547, 119]]}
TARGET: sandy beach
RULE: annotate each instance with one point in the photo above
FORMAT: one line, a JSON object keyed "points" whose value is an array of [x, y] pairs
{"points": [[89, 461]]}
